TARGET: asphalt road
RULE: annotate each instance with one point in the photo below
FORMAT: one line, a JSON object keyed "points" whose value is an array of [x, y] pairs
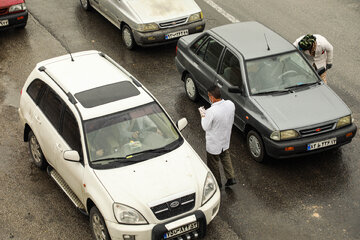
{"points": [[314, 197]]}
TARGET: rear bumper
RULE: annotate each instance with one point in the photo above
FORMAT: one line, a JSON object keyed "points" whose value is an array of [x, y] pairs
{"points": [[15, 20], [277, 149], [158, 37]]}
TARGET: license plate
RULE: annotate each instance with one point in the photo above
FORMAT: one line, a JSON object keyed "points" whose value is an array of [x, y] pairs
{"points": [[177, 34], [4, 23], [181, 230], [321, 144]]}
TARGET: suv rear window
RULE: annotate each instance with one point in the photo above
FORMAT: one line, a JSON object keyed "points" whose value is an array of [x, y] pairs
{"points": [[34, 89], [106, 94]]}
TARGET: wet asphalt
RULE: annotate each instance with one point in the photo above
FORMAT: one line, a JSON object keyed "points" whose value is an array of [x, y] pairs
{"points": [[313, 197]]}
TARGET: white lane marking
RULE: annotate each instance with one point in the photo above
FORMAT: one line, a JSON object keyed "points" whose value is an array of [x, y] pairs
{"points": [[227, 15]]}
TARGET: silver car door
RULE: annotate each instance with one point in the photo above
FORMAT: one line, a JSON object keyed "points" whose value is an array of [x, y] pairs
{"points": [[111, 8]]}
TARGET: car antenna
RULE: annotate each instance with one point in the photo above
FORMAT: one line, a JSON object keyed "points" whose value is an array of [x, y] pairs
{"points": [[268, 47], [67, 49]]}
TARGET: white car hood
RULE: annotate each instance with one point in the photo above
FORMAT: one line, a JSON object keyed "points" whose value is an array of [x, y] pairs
{"points": [[154, 179], [162, 10]]}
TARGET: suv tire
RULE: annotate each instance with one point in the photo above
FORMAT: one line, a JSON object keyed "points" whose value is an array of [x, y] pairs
{"points": [[36, 152], [85, 5], [98, 226]]}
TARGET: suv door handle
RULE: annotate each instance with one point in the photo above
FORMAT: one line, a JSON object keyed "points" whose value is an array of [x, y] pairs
{"points": [[37, 119], [58, 146], [219, 84]]}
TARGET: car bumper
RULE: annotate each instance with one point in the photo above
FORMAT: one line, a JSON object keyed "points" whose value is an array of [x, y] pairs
{"points": [[15, 20], [158, 37], [277, 149], [204, 215]]}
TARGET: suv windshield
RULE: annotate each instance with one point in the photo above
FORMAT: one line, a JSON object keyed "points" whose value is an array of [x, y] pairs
{"points": [[278, 73], [130, 136]]}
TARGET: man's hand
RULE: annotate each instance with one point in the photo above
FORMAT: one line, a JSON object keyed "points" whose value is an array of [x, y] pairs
{"points": [[328, 66], [202, 111]]}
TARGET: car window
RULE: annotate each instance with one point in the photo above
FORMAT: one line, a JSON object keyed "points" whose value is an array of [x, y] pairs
{"points": [[280, 72], [70, 130], [51, 105], [197, 44], [212, 52], [230, 69], [34, 89]]}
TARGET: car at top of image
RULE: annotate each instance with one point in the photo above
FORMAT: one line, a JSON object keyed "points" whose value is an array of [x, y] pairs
{"points": [[115, 152], [13, 13], [282, 105], [150, 22]]}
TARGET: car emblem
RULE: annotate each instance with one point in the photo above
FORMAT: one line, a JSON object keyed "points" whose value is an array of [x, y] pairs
{"points": [[173, 23], [174, 204], [318, 129]]}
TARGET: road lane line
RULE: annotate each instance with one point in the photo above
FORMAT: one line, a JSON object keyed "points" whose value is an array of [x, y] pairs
{"points": [[227, 15]]}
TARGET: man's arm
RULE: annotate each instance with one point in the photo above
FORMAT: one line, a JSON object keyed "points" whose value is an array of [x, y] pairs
{"points": [[206, 120]]}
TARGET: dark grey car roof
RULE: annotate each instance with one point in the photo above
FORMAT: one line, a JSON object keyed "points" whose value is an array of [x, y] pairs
{"points": [[248, 38]]}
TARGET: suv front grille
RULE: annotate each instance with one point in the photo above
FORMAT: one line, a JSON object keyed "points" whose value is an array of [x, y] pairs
{"points": [[317, 130], [3, 11], [173, 23], [174, 207]]}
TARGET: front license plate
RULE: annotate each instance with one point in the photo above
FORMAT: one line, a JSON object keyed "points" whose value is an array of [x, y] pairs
{"points": [[181, 230], [177, 34], [321, 144], [4, 23]]}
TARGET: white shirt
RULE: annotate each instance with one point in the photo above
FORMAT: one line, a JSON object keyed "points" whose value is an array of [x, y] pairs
{"points": [[217, 124], [323, 52]]}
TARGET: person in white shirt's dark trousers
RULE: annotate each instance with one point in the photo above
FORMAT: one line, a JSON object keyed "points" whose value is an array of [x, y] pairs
{"points": [[217, 122]]}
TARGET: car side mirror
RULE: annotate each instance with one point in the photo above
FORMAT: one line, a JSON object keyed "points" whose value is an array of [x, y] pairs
{"points": [[181, 124], [72, 156], [234, 90]]}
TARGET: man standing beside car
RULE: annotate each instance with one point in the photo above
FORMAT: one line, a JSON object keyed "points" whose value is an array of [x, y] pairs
{"points": [[217, 122], [318, 51]]}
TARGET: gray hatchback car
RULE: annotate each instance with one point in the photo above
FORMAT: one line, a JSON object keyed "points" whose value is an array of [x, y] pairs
{"points": [[282, 105]]}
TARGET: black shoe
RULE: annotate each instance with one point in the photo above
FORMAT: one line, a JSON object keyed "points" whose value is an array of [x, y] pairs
{"points": [[230, 182]]}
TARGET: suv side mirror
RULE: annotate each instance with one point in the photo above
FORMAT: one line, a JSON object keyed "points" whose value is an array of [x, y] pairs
{"points": [[181, 124], [234, 90], [72, 156]]}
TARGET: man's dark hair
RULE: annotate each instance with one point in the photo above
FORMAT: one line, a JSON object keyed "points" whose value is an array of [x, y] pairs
{"points": [[215, 91]]}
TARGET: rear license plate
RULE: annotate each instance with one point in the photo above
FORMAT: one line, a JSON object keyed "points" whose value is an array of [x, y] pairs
{"points": [[4, 23], [177, 34], [321, 144], [181, 230]]}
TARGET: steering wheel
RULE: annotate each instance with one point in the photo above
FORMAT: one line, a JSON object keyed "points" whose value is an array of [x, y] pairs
{"points": [[290, 73]]}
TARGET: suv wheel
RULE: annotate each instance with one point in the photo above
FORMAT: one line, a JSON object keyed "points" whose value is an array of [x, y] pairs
{"points": [[98, 226], [128, 37], [85, 4], [190, 88], [255, 146], [36, 152]]}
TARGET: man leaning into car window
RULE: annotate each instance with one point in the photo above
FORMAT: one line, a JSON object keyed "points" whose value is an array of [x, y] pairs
{"points": [[217, 122]]}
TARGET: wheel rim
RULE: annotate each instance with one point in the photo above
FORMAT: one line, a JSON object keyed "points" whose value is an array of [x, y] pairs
{"points": [[84, 3], [190, 87], [127, 37], [35, 149], [98, 228], [255, 147]]}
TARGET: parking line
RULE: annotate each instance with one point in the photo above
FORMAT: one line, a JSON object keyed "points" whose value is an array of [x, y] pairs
{"points": [[227, 15]]}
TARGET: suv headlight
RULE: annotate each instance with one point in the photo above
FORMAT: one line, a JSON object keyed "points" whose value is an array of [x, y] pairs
{"points": [[284, 135], [147, 27], [127, 215], [343, 121], [17, 7], [196, 17], [209, 188]]}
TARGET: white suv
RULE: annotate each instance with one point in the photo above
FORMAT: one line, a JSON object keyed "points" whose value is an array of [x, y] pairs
{"points": [[112, 148]]}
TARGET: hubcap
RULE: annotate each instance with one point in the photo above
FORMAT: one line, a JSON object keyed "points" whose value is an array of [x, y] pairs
{"points": [[84, 3], [35, 149], [190, 87], [127, 37], [98, 228], [254, 145]]}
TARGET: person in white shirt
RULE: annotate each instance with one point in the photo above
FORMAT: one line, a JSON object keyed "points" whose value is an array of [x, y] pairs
{"points": [[318, 51], [217, 122]]}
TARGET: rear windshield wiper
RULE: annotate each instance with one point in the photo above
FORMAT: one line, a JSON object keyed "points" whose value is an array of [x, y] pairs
{"points": [[275, 91], [302, 85]]}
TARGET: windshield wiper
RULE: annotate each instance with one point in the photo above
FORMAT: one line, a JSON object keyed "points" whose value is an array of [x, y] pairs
{"points": [[113, 159], [156, 150], [274, 91], [302, 85]]}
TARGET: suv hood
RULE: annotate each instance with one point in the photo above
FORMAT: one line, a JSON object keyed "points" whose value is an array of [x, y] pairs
{"points": [[162, 10], [156, 178], [303, 108]]}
